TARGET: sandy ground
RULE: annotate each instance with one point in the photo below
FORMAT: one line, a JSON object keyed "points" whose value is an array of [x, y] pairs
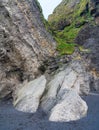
{"points": [[11, 119]]}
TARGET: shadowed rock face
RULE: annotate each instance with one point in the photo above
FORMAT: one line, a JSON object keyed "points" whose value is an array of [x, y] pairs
{"points": [[24, 42], [89, 38]]}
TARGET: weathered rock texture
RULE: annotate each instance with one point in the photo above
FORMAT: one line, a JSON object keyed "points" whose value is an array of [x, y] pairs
{"points": [[25, 46], [70, 107], [79, 12], [24, 42], [88, 37], [59, 97], [83, 29], [27, 98], [74, 77], [94, 10]]}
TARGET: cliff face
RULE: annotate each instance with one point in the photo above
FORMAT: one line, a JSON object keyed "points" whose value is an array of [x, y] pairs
{"points": [[69, 17], [25, 47], [24, 42], [74, 11]]}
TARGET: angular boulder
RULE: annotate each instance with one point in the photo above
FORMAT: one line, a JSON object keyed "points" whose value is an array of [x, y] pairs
{"points": [[70, 107], [28, 97], [74, 77]]}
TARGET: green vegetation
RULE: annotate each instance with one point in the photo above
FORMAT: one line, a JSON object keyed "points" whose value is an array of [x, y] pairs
{"points": [[65, 40], [66, 48], [65, 11], [39, 6], [77, 16], [82, 49]]}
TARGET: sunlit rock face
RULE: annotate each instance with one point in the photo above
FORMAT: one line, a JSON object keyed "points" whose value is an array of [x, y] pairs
{"points": [[24, 42]]}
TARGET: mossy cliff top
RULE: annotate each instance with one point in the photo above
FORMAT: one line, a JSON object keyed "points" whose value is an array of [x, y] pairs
{"points": [[69, 17], [67, 12]]}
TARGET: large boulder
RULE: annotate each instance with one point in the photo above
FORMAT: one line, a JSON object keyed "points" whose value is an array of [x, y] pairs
{"points": [[27, 98], [69, 107], [72, 78], [59, 98]]}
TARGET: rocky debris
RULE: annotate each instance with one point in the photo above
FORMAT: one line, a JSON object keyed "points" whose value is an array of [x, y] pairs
{"points": [[27, 98], [73, 76], [69, 107], [61, 87], [24, 42], [60, 94]]}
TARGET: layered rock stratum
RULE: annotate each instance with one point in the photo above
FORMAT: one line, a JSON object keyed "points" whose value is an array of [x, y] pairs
{"points": [[24, 42]]}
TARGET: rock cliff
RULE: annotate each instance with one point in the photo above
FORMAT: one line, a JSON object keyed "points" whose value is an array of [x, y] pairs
{"points": [[75, 24], [78, 12], [69, 18], [24, 42], [25, 48]]}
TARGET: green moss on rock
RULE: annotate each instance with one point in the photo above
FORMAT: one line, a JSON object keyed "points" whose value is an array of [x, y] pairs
{"points": [[66, 48], [67, 10], [66, 22]]}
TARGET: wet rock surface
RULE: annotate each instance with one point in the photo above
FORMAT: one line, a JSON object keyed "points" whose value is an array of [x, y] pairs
{"points": [[14, 120]]}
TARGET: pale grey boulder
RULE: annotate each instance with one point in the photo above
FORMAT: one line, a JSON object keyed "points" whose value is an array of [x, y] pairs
{"points": [[70, 107], [73, 77], [49, 98], [28, 97]]}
